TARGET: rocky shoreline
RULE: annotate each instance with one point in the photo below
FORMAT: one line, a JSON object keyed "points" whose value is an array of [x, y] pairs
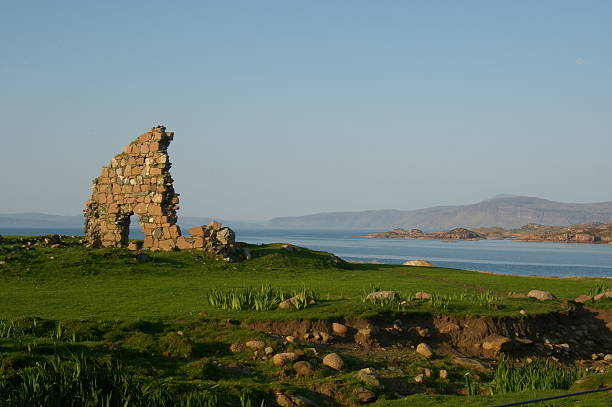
{"points": [[594, 232]]}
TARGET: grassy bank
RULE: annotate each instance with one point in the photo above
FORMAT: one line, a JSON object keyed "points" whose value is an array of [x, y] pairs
{"points": [[82, 283], [108, 326]]}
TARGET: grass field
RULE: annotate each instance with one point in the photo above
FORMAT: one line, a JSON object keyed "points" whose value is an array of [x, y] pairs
{"points": [[79, 283], [145, 323]]}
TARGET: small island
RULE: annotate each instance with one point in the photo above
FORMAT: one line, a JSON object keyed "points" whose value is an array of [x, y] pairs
{"points": [[592, 232]]}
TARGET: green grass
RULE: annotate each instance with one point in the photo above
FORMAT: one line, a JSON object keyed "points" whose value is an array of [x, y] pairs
{"points": [[422, 400], [82, 283]]}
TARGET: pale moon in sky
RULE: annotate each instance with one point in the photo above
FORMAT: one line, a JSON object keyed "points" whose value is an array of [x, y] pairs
{"points": [[579, 61]]}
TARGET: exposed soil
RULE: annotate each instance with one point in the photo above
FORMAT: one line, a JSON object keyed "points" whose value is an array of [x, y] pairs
{"points": [[572, 335]]}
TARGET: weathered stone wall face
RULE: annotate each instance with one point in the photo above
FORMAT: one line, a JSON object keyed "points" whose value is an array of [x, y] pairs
{"points": [[138, 181]]}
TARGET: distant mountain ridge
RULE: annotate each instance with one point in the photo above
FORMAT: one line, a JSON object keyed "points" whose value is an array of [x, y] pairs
{"points": [[506, 211], [32, 220]]}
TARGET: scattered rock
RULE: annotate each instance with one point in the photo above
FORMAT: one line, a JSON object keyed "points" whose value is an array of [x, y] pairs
{"points": [[443, 374], [255, 345], [419, 378], [422, 332], [541, 295], [269, 351], [421, 295], [607, 294], [364, 396], [608, 357], [583, 298], [236, 347], [424, 349], [293, 400], [285, 304], [469, 364], [420, 263], [497, 343], [448, 328], [334, 361], [369, 377], [303, 368], [428, 372], [383, 296], [339, 329], [134, 246], [290, 339], [281, 359]]}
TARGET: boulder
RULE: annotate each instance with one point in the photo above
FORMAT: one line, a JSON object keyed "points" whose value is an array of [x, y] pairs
{"points": [[383, 296], [443, 374], [255, 345], [293, 400], [281, 359], [422, 332], [364, 396], [225, 236], [468, 363], [607, 294], [334, 361], [369, 377], [303, 368], [497, 343], [583, 298], [540, 295], [339, 329], [420, 263], [421, 295], [448, 328], [424, 349], [236, 347]]}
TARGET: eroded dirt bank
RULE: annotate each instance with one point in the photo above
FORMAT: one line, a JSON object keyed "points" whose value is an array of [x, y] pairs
{"points": [[575, 334]]}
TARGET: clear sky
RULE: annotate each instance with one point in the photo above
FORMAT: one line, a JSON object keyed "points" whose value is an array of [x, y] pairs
{"points": [[296, 107]]}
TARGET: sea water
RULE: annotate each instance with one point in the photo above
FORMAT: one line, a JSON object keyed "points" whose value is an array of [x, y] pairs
{"points": [[498, 256]]}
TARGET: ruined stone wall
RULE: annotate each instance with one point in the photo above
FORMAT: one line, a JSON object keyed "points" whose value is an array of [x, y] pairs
{"points": [[138, 181]]}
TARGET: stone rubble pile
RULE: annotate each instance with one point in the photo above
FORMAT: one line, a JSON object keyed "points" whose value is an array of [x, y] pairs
{"points": [[138, 181]]}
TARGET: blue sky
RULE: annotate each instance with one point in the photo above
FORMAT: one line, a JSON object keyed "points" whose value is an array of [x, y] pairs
{"points": [[288, 108]]}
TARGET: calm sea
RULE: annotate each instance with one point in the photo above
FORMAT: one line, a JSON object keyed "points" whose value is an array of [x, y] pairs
{"points": [[499, 256]]}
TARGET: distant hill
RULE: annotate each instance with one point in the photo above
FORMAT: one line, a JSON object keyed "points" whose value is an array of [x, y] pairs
{"points": [[47, 221], [506, 211]]}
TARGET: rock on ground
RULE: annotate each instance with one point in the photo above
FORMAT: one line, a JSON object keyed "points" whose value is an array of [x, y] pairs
{"points": [[422, 295], [369, 377], [303, 368], [541, 295], [421, 263], [383, 295], [281, 359], [334, 361], [293, 400], [424, 349], [339, 329], [497, 343], [469, 364]]}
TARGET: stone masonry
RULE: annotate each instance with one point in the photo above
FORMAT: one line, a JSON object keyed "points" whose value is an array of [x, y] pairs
{"points": [[138, 181]]}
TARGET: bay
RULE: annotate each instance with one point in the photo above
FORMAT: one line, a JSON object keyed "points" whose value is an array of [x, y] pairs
{"points": [[497, 256]]}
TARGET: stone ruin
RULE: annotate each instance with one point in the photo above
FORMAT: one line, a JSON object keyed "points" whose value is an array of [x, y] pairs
{"points": [[138, 181]]}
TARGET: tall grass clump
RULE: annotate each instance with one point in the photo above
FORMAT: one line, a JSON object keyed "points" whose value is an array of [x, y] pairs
{"points": [[510, 377], [264, 298], [84, 383]]}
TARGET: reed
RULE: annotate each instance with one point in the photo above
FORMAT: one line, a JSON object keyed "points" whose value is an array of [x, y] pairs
{"points": [[264, 298], [86, 383], [536, 375]]}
